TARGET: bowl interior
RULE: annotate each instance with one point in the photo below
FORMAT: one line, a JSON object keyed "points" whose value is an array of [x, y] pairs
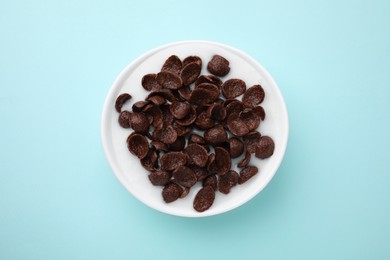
{"points": [[127, 167]]}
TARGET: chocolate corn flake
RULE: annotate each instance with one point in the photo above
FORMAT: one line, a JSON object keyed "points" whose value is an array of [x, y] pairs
{"points": [[215, 135], [139, 105], [160, 177], [138, 145], [253, 96], [201, 96], [218, 66], [184, 176], [149, 82], [251, 119], [180, 109], [139, 122], [251, 141], [204, 199], [233, 88], [121, 99], [167, 135], [210, 180], [190, 73], [124, 119], [236, 147], [172, 64], [159, 146], [247, 173], [191, 59], [245, 161], [227, 181], [171, 192], [178, 145], [236, 125], [197, 154], [188, 119], [185, 92], [259, 110], [209, 79], [172, 160], [265, 147], [197, 139], [149, 162], [169, 80], [203, 121], [222, 160]]}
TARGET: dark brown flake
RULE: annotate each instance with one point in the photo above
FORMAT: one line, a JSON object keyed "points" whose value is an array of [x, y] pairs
{"points": [[185, 92], [215, 135], [180, 109], [209, 79], [251, 140], [139, 105], [149, 162], [167, 135], [165, 93], [222, 160], [233, 88], [181, 130], [197, 139], [201, 96], [204, 199], [265, 147], [236, 125], [251, 119], [259, 110], [124, 119], [160, 177], [247, 173], [218, 66], [139, 122], [190, 73], [184, 176], [191, 59], [121, 99], [189, 119], [169, 80], [157, 100], [197, 154], [201, 173], [171, 192], [156, 114], [253, 96], [178, 145], [203, 121], [235, 106], [172, 64], [160, 146], [214, 90], [236, 147], [210, 180], [172, 160], [227, 181], [149, 82], [217, 112], [138, 145]]}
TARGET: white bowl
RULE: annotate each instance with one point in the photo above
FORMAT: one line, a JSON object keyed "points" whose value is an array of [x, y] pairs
{"points": [[127, 167]]}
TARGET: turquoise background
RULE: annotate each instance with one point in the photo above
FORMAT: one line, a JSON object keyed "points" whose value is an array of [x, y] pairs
{"points": [[59, 198]]}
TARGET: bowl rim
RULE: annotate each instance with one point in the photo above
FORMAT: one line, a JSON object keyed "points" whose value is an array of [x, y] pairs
{"points": [[145, 55]]}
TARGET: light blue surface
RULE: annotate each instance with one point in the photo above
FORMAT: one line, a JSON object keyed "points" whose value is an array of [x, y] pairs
{"points": [[330, 198]]}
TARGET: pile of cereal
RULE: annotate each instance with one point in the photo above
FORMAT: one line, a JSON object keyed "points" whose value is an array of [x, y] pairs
{"points": [[190, 126]]}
